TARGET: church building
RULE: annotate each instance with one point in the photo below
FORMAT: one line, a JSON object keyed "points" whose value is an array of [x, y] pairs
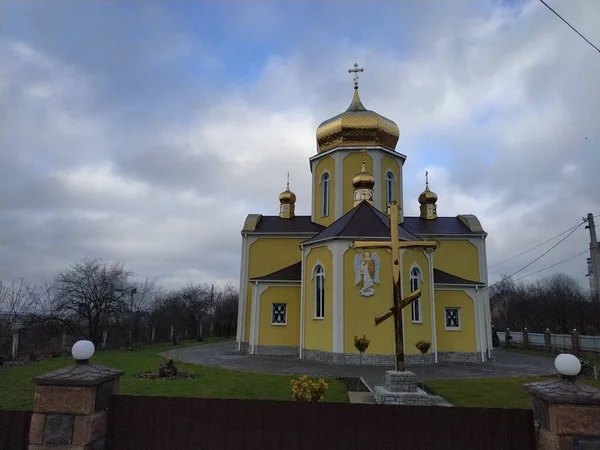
{"points": [[305, 291]]}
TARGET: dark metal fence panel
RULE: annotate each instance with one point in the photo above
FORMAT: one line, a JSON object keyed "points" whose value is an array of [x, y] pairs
{"points": [[14, 430], [157, 423]]}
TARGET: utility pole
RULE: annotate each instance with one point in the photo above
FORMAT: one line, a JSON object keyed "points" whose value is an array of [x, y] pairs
{"points": [[595, 257]]}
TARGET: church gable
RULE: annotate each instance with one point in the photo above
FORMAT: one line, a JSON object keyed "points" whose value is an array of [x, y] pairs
{"points": [[362, 221]]}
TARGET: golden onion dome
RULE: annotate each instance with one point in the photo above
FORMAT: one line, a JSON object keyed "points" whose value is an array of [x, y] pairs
{"points": [[427, 196], [287, 196], [364, 180], [357, 127]]}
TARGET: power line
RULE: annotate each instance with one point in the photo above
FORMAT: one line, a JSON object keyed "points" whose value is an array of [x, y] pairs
{"points": [[553, 265], [533, 248], [538, 258], [570, 26]]}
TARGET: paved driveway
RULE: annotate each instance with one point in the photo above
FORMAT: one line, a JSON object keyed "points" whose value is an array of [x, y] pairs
{"points": [[223, 354]]}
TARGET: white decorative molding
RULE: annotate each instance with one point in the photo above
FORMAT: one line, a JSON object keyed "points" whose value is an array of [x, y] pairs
{"points": [[243, 295], [323, 172], [415, 265], [302, 300], [314, 267], [429, 256], [313, 198], [400, 191], [376, 157], [338, 248], [257, 292], [339, 185], [472, 293]]}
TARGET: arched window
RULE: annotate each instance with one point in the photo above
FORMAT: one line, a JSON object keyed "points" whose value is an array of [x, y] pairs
{"points": [[319, 277], [415, 283], [390, 181], [325, 194]]}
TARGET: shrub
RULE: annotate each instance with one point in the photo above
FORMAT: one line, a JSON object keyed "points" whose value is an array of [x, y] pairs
{"points": [[423, 346], [361, 344], [307, 390]]}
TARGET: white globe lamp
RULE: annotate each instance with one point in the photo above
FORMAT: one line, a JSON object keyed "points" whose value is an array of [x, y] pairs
{"points": [[567, 365], [82, 351]]}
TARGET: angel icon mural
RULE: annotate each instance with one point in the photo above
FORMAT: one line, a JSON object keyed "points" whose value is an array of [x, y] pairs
{"points": [[366, 267]]}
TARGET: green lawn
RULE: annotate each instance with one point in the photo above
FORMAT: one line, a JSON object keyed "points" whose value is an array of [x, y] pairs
{"points": [[16, 387], [488, 392]]}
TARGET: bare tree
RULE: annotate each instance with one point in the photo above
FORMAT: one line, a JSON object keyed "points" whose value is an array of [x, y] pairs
{"points": [[86, 296], [17, 300]]}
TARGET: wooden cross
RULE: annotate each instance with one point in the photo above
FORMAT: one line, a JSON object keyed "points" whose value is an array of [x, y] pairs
{"points": [[355, 71], [398, 303]]}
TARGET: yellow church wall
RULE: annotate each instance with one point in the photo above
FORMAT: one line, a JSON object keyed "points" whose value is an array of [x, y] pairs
{"points": [[318, 333], [352, 165], [324, 165], [288, 334], [458, 257], [267, 255], [389, 164], [462, 340], [360, 312], [414, 331]]}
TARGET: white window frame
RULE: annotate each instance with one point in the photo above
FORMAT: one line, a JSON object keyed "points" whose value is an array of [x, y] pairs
{"points": [[459, 328], [319, 291], [416, 281], [279, 324], [325, 193], [390, 181]]}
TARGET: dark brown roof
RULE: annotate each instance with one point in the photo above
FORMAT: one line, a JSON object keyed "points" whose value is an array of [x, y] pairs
{"points": [[441, 225], [362, 221], [297, 224], [289, 273], [439, 276]]}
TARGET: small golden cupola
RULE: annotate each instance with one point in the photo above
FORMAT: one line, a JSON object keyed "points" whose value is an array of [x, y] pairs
{"points": [[428, 200], [357, 126], [363, 186], [287, 202]]}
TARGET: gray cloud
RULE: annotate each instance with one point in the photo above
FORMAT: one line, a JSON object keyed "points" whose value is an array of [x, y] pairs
{"points": [[128, 143]]}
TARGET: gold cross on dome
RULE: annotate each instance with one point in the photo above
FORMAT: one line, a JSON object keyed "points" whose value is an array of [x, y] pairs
{"points": [[355, 70]]}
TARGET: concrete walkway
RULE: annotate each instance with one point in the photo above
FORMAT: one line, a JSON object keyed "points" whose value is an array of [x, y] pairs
{"points": [[224, 355]]}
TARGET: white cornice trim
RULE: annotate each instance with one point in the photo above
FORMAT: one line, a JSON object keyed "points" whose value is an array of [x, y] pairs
{"points": [[284, 283], [392, 153], [338, 207]]}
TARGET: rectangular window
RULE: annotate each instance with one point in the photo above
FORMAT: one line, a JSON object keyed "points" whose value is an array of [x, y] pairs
{"points": [[416, 310], [279, 315], [452, 318]]}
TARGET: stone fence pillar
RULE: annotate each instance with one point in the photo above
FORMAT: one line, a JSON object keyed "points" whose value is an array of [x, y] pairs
{"points": [[525, 338], [548, 340], [70, 407], [575, 342], [567, 412]]}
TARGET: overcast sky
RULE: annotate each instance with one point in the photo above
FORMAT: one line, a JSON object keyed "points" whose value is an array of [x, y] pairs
{"points": [[144, 132]]}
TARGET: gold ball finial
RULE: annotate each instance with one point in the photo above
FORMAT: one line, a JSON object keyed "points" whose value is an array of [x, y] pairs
{"points": [[287, 196], [364, 180]]}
